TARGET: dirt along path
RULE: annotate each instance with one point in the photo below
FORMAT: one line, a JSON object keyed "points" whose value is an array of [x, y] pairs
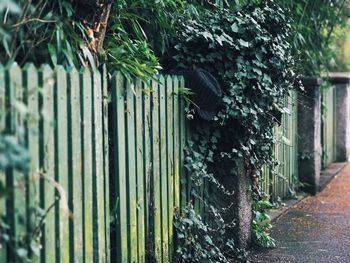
{"points": [[317, 229]]}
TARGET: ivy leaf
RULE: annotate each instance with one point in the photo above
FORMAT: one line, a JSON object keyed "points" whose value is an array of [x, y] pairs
{"points": [[22, 253], [234, 28], [243, 43]]}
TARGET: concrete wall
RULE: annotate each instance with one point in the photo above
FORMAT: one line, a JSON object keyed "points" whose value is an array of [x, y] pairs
{"points": [[309, 131]]}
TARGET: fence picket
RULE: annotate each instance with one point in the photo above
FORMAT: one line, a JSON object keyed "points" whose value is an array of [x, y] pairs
{"points": [[16, 180], [170, 159], [163, 168], [131, 171], [31, 91], [147, 157], [86, 149], [185, 182], [155, 183], [140, 186], [120, 203], [75, 169], [176, 142], [47, 164], [98, 170], [61, 177], [3, 250], [106, 143], [328, 124]]}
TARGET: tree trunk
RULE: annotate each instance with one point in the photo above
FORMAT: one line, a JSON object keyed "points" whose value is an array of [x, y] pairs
{"points": [[94, 16]]}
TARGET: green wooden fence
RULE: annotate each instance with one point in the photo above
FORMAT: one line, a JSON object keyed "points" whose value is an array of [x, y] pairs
{"points": [[328, 125], [147, 136], [69, 136], [113, 159], [280, 180], [65, 120]]}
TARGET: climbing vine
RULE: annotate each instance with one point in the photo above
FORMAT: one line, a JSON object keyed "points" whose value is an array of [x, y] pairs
{"points": [[247, 49]]}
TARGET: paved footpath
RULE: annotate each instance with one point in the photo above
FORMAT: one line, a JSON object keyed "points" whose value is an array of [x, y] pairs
{"points": [[317, 229]]}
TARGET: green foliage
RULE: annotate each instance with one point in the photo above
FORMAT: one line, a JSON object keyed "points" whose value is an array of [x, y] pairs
{"points": [[14, 156], [13, 153], [199, 241], [316, 26], [261, 224], [42, 32], [247, 48], [126, 45], [140, 30], [255, 73], [25, 244]]}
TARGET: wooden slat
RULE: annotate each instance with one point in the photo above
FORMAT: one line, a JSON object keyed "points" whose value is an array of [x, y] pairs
{"points": [[163, 168], [176, 144], [120, 167], [293, 142], [155, 199], [17, 179], [106, 162], [98, 179], [2, 99], [86, 149], [289, 147], [3, 250], [131, 171], [285, 151], [293, 137], [47, 163], [275, 167], [75, 171], [281, 159], [62, 161], [9, 181], [185, 182], [296, 135], [140, 185], [170, 159], [32, 142], [328, 122], [147, 157], [322, 128]]}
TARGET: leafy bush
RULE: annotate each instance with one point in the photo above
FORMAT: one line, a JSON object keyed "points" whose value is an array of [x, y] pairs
{"points": [[316, 27], [13, 153], [42, 32], [247, 48], [250, 54], [199, 241], [126, 45], [261, 224]]}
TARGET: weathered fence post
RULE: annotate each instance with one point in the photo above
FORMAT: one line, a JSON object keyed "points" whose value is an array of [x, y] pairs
{"points": [[243, 203], [237, 202], [341, 81], [309, 130]]}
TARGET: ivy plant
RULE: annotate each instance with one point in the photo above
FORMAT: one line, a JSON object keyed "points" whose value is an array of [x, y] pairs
{"points": [[247, 49]]}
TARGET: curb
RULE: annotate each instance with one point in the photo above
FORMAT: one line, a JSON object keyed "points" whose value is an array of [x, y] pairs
{"points": [[326, 176]]}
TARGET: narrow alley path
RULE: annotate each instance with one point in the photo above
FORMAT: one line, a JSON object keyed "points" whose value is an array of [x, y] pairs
{"points": [[317, 229]]}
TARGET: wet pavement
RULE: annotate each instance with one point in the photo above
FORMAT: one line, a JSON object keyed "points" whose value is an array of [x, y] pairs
{"points": [[317, 229]]}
